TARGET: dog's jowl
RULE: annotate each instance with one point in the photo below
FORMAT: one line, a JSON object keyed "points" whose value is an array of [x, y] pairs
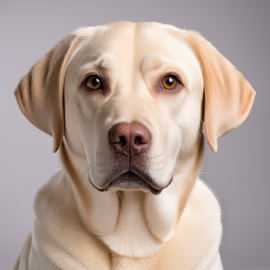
{"points": [[125, 104]]}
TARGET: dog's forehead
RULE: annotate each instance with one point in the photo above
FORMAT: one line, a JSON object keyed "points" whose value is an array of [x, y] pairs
{"points": [[133, 42]]}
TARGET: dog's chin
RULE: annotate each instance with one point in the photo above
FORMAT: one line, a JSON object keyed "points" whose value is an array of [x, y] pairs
{"points": [[130, 181]]}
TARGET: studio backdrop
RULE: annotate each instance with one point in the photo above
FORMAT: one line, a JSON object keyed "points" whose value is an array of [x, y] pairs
{"points": [[238, 173]]}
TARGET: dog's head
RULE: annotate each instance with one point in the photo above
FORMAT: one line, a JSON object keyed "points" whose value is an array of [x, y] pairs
{"points": [[130, 99]]}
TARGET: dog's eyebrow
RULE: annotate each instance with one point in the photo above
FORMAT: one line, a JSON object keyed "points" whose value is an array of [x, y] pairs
{"points": [[155, 61], [104, 64], [160, 59]]}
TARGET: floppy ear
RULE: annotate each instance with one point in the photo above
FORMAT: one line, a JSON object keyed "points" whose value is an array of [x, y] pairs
{"points": [[40, 92], [228, 96]]}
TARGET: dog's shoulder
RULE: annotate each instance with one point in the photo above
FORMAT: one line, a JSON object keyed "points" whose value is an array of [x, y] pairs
{"points": [[201, 219], [203, 199], [197, 234], [58, 231], [55, 194]]}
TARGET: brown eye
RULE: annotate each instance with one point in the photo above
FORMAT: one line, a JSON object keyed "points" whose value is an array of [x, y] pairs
{"points": [[170, 82], [93, 83]]}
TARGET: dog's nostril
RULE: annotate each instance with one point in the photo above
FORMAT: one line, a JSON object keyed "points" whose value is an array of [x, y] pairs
{"points": [[137, 140], [122, 141]]}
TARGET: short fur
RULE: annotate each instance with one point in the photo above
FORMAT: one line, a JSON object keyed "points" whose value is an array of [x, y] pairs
{"points": [[79, 227]]}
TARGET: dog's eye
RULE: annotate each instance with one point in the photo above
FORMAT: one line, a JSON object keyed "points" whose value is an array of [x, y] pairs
{"points": [[92, 83], [170, 82]]}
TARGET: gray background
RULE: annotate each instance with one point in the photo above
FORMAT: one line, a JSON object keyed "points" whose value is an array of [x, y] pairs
{"points": [[238, 173]]}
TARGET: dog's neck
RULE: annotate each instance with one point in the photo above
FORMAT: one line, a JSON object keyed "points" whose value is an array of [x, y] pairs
{"points": [[132, 223]]}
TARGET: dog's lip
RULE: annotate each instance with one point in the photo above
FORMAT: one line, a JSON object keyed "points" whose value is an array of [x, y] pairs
{"points": [[132, 179]]}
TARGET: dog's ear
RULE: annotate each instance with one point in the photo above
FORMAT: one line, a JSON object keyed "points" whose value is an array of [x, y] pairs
{"points": [[40, 92], [228, 96]]}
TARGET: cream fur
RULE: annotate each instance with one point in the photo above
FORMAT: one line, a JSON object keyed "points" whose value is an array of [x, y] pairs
{"points": [[79, 227]]}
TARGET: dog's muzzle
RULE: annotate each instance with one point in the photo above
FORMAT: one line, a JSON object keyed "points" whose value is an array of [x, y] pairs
{"points": [[130, 143]]}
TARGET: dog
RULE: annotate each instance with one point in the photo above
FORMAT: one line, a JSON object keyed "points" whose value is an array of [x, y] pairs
{"points": [[125, 104]]}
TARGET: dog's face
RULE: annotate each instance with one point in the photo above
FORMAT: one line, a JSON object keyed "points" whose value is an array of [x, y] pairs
{"points": [[133, 97], [129, 99]]}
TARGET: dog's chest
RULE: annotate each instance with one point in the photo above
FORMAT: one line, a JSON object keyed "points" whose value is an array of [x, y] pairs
{"points": [[132, 237], [119, 262]]}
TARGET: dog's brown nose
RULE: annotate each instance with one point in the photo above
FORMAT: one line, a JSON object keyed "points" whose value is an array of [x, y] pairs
{"points": [[129, 139]]}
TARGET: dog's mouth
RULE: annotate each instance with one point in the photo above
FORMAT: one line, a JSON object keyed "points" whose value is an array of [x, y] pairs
{"points": [[132, 179]]}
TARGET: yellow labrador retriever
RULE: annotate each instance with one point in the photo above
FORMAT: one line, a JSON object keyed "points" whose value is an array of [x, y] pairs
{"points": [[125, 104]]}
